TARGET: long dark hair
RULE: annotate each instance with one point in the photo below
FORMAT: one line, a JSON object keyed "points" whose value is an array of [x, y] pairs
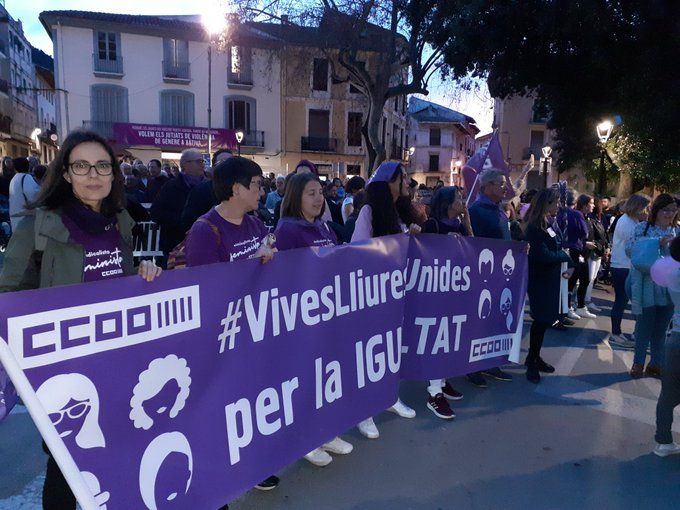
{"points": [[57, 191], [538, 209], [660, 202], [442, 200], [386, 213], [291, 206]]}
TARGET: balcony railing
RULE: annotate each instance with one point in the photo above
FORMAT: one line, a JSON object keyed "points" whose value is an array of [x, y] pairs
{"points": [[319, 144], [528, 151], [5, 124], [243, 78], [3, 47], [176, 70], [114, 67], [101, 127], [253, 139], [4, 86]]}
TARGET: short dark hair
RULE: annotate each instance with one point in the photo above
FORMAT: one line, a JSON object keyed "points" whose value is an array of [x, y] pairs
{"points": [[217, 153], [291, 206], [582, 201], [442, 200], [57, 191], [155, 161], [675, 248], [236, 170], [355, 184], [39, 172], [21, 165]]}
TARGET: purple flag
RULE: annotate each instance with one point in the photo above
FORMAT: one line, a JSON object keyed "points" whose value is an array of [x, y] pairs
{"points": [[196, 386], [490, 155]]}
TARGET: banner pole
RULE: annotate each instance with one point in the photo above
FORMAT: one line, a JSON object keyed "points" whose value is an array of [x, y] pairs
{"points": [[47, 431]]}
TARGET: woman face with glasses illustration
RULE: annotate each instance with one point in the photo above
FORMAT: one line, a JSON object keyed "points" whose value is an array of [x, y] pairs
{"points": [[90, 173], [70, 418]]}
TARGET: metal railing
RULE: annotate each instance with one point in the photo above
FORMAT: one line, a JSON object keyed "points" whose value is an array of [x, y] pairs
{"points": [[319, 144], [244, 77], [397, 152], [176, 70], [101, 127], [107, 66], [253, 139], [528, 151]]}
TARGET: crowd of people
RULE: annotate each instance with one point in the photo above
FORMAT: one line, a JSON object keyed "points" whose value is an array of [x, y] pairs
{"points": [[87, 203]]}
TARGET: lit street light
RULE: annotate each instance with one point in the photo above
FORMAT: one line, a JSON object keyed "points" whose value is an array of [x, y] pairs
{"points": [[214, 22], [547, 161], [604, 131], [239, 139]]}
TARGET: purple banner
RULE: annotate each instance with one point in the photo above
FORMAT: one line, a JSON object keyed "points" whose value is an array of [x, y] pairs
{"points": [[195, 387], [172, 137]]}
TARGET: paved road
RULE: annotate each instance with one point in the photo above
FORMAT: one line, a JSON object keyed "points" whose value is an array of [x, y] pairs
{"points": [[579, 440]]}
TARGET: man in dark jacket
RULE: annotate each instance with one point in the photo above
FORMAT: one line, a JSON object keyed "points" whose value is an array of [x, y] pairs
{"points": [[489, 220], [169, 203], [202, 197]]}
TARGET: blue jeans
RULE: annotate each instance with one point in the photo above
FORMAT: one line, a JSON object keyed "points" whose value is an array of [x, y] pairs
{"points": [[670, 391], [650, 328], [621, 298]]}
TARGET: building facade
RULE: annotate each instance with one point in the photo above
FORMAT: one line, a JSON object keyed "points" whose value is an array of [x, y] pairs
{"points": [[442, 140]]}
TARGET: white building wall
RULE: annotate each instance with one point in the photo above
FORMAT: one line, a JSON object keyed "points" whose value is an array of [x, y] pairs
{"points": [[143, 78]]}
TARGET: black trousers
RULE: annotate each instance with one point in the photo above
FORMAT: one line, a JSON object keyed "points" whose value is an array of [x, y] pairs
{"points": [[581, 276], [57, 494], [669, 398], [536, 335]]}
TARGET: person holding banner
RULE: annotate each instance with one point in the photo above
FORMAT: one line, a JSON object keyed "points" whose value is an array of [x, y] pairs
{"points": [[301, 226], [227, 232], [545, 260], [387, 211], [80, 232], [449, 216], [489, 220]]}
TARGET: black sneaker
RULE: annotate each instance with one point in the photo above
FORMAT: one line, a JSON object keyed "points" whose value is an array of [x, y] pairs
{"points": [[497, 374], [533, 375], [567, 321], [440, 407], [268, 483], [477, 379], [451, 393]]}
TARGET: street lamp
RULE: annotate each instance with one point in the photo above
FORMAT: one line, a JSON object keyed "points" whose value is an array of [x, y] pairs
{"points": [[239, 139], [604, 131], [546, 160], [213, 22]]}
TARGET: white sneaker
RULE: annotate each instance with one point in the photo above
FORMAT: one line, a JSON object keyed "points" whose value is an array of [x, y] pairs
{"points": [[338, 446], [318, 457], [368, 428], [583, 312], [573, 315], [664, 450], [402, 410], [621, 341], [593, 307]]}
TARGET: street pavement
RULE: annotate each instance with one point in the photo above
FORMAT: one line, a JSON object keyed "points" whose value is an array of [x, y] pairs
{"points": [[581, 439]]}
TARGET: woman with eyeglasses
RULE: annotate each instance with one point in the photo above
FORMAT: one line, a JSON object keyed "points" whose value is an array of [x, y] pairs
{"points": [[651, 304], [80, 233], [545, 261]]}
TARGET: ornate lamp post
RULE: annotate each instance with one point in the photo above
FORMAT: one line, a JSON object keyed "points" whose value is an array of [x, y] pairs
{"points": [[547, 162], [604, 131]]}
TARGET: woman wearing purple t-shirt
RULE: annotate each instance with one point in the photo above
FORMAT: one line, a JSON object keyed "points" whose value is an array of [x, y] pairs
{"points": [[301, 226], [80, 232]]}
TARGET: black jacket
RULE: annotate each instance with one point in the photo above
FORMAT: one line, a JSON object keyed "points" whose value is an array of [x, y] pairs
{"points": [[199, 201], [166, 210]]}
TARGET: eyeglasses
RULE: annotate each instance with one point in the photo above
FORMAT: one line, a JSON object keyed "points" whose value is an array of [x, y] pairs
{"points": [[73, 412], [82, 167], [201, 161]]}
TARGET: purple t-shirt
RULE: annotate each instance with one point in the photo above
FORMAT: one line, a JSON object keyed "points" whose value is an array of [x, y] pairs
{"points": [[294, 233], [103, 257], [236, 242]]}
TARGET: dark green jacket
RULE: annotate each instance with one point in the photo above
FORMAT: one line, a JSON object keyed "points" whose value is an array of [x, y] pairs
{"points": [[40, 254]]}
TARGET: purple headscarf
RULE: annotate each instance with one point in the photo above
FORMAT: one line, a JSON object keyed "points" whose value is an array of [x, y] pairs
{"points": [[309, 165], [385, 172]]}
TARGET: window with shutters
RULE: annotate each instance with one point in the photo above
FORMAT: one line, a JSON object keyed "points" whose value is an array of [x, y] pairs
{"points": [[175, 59], [109, 104], [434, 163], [177, 108], [435, 137], [320, 75], [240, 113], [107, 54], [239, 70], [354, 123]]}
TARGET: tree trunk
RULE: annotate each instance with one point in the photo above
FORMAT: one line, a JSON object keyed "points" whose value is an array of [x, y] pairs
{"points": [[371, 132]]}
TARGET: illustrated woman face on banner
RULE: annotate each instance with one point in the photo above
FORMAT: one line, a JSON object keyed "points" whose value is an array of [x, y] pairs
{"points": [[72, 404], [165, 472]]}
